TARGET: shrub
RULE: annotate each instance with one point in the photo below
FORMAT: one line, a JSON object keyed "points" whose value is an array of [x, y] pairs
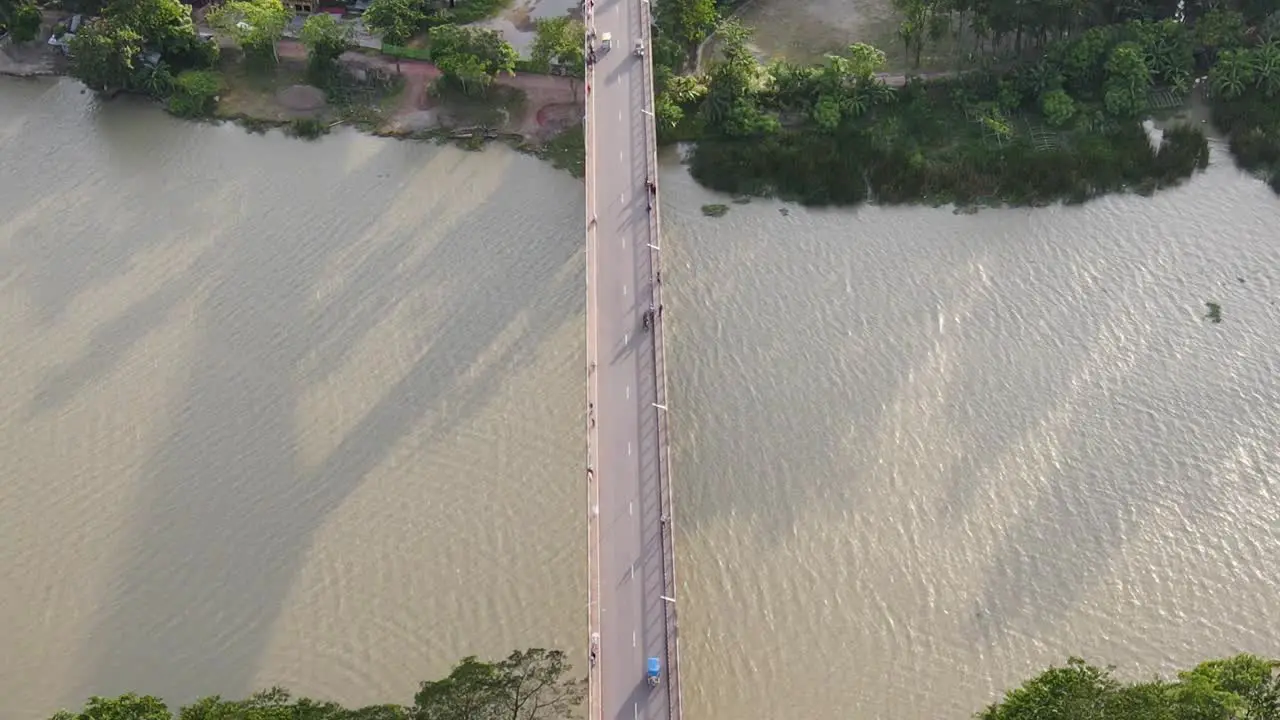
{"points": [[26, 22], [1058, 107], [307, 128], [195, 93]]}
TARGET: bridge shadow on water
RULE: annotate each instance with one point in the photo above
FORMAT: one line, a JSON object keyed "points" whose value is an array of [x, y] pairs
{"points": [[225, 511]]}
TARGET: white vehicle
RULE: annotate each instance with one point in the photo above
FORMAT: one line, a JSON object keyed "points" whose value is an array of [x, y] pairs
{"points": [[639, 48], [606, 41]]}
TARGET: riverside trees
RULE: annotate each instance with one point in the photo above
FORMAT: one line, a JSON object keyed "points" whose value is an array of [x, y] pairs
{"points": [[256, 25], [532, 684], [397, 20], [536, 685], [111, 52], [470, 56]]}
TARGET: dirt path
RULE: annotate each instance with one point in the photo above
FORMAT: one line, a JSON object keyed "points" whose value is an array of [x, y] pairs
{"points": [[552, 102]]}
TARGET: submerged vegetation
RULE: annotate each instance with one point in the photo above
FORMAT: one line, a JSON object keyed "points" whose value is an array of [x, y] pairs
{"points": [[1053, 114]]}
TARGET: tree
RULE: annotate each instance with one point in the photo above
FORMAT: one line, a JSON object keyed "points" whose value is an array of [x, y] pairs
{"points": [[397, 20], [471, 56], [1244, 687], [559, 40], [468, 693], [1266, 66], [1232, 73], [1128, 81], [695, 19], [534, 686], [1058, 107], [528, 685], [166, 26], [125, 707], [102, 55], [255, 24], [25, 25], [326, 39]]}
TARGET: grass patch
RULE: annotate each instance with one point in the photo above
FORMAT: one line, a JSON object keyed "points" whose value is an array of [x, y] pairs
{"points": [[250, 89], [469, 11]]}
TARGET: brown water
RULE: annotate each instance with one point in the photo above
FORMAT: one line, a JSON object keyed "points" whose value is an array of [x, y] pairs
{"points": [[309, 414], [275, 411], [920, 456]]}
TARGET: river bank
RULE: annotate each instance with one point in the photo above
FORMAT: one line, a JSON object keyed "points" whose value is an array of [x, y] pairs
{"points": [[1099, 109], [379, 94]]}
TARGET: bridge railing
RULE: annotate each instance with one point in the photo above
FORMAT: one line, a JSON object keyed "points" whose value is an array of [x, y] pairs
{"points": [[662, 415], [594, 709]]}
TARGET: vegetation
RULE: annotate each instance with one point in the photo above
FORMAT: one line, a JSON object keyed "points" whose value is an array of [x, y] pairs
{"points": [[567, 151], [137, 45], [22, 19], [528, 685], [195, 93], [558, 40], [471, 57], [535, 685], [326, 39], [1053, 113], [1243, 687], [255, 25], [397, 20]]}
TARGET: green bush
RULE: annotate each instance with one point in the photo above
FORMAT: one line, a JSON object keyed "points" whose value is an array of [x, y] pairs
{"points": [[26, 22], [195, 93], [1058, 107], [308, 128]]}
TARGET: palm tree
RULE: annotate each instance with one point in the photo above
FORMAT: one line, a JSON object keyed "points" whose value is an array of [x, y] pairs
{"points": [[1267, 68], [1232, 73]]}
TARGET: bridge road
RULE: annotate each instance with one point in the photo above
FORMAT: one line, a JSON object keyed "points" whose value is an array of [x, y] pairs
{"points": [[629, 561]]}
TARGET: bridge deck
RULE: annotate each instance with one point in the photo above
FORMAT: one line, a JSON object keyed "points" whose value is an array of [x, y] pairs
{"points": [[631, 557]]}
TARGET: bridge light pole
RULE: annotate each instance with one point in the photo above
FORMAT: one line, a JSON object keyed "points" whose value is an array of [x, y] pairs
{"points": [[668, 599], [646, 112]]}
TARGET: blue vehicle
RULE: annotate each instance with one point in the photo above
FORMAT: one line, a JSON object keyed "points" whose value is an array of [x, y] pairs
{"points": [[655, 667]]}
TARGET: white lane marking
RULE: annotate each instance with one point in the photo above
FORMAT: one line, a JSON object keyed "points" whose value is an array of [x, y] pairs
{"points": [[628, 392], [628, 449], [633, 638], [635, 710], [624, 291], [619, 114], [633, 571], [626, 338], [631, 508], [622, 197]]}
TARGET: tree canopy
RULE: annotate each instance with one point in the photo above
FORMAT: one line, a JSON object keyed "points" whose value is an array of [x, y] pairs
{"points": [[256, 25], [397, 20], [559, 40], [532, 684], [23, 20], [1244, 687], [471, 56], [326, 39], [107, 53]]}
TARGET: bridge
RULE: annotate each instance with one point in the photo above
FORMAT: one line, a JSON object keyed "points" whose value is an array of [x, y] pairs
{"points": [[630, 556]]}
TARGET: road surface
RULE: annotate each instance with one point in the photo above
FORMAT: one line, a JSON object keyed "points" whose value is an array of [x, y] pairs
{"points": [[626, 538]]}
